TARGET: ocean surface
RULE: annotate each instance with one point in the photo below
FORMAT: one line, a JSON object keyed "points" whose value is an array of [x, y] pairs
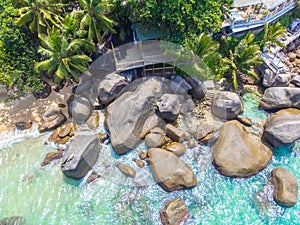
{"points": [[42, 195]]}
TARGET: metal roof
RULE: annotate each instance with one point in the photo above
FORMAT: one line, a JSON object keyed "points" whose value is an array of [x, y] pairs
{"points": [[241, 3], [271, 4]]}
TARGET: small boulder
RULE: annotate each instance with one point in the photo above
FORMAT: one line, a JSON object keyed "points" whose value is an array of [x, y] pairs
{"points": [[275, 98], [198, 88], [178, 81], [110, 87], [24, 125], [62, 134], [93, 177], [176, 148], [174, 212], [245, 121], [292, 56], [52, 110], [238, 153], [139, 163], [169, 107], [81, 155], [285, 187], [156, 138], [203, 130], [93, 120], [296, 80], [227, 105], [52, 123], [282, 128], [126, 169], [50, 157], [79, 109], [103, 137], [143, 155], [174, 133], [152, 122], [169, 171]]}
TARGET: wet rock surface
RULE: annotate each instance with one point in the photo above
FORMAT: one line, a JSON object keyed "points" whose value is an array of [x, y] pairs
{"points": [[80, 156], [285, 187], [50, 157], [227, 105], [126, 169], [176, 148], [174, 212], [169, 171], [282, 128], [136, 102], [276, 98], [238, 153]]}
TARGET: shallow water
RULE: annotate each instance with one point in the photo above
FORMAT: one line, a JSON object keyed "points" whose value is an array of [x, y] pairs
{"points": [[45, 196]]}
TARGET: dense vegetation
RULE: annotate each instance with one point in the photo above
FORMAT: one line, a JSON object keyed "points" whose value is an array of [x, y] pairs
{"points": [[18, 52], [58, 37]]}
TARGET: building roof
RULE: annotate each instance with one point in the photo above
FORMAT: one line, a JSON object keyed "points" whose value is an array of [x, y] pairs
{"points": [[241, 3], [271, 4]]}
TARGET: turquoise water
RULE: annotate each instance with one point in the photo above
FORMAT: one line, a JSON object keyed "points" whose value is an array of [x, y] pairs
{"points": [[45, 196]]}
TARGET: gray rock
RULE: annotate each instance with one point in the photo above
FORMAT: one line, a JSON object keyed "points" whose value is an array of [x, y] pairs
{"points": [[13, 220], [174, 133], [80, 109], [296, 81], [156, 138], [285, 187], [126, 116], [203, 130], [282, 128], [280, 98], [277, 80], [52, 123], [51, 111], [174, 212], [238, 153], [169, 107], [84, 86], [227, 105], [81, 155], [109, 87], [181, 82], [169, 171], [24, 125], [198, 88], [152, 122], [93, 120]]}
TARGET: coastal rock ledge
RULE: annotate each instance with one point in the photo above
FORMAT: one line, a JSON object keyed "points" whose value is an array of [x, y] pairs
{"points": [[238, 153], [169, 171], [127, 115]]}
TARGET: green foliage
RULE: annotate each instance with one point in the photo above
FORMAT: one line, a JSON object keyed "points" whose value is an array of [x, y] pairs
{"points": [[184, 18], [18, 52], [63, 57], [272, 33], [243, 60], [92, 18], [39, 14], [206, 49]]}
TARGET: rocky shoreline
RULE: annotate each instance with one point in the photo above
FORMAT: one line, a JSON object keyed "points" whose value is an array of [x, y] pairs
{"points": [[171, 118]]}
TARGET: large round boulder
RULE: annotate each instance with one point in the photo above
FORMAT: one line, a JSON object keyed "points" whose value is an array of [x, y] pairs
{"points": [[81, 155], [127, 115], [282, 128], [169, 171], [280, 98], [109, 87], [79, 109], [238, 153], [285, 187], [227, 105]]}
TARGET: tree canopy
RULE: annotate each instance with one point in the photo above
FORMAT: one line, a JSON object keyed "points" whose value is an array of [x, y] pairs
{"points": [[183, 18]]}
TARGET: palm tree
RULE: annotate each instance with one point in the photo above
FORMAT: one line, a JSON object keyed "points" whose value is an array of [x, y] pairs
{"points": [[245, 57], [92, 16], [64, 56], [272, 34], [39, 14]]}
